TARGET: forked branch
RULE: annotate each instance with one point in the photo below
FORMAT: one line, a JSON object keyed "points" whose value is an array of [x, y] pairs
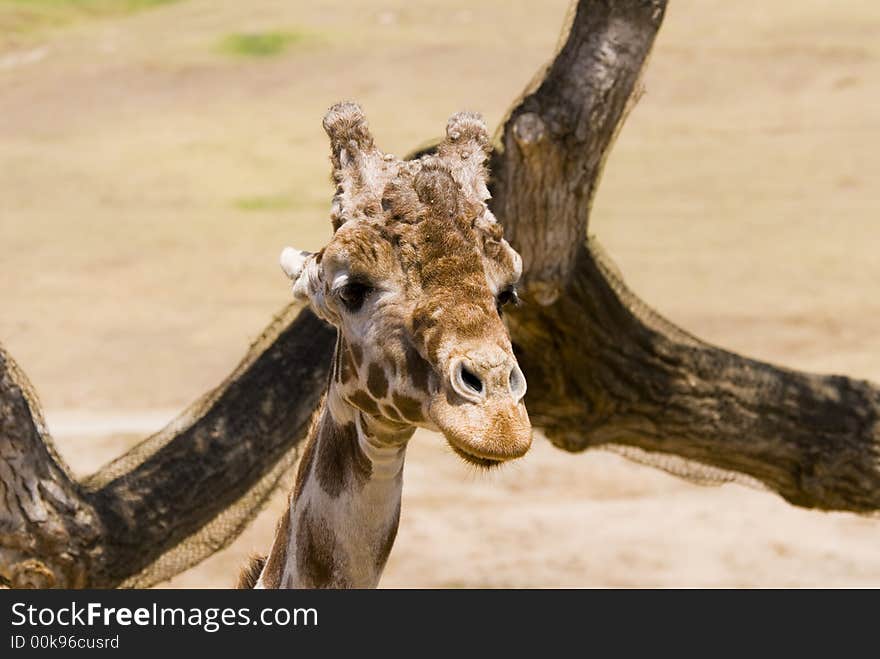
{"points": [[602, 368]]}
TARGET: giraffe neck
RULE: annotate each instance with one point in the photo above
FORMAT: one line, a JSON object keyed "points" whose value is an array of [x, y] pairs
{"points": [[345, 507]]}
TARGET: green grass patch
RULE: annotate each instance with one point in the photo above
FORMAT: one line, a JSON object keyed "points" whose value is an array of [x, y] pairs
{"points": [[116, 6], [65, 10], [260, 44], [21, 19], [264, 203]]}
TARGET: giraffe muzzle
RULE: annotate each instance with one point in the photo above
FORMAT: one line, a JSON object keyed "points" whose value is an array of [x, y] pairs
{"points": [[478, 379], [482, 413]]}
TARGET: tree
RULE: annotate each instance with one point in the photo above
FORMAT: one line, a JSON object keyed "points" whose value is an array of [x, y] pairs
{"points": [[602, 367]]}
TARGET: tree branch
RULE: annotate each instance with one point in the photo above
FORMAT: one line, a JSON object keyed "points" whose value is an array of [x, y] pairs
{"points": [[629, 376], [602, 368], [48, 531], [632, 378], [556, 139], [204, 466]]}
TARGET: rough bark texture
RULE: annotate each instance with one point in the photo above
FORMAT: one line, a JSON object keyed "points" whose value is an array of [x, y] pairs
{"points": [[629, 377], [633, 379], [556, 138], [108, 529], [49, 533]]}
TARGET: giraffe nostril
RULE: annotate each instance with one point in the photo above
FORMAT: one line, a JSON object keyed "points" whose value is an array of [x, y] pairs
{"points": [[517, 383], [471, 380], [477, 383], [466, 382]]}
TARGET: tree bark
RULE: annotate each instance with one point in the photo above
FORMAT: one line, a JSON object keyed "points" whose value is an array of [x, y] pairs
{"points": [[111, 528], [633, 379], [48, 531], [630, 377], [602, 369]]}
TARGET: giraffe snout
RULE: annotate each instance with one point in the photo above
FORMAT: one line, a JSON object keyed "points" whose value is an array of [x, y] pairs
{"points": [[482, 413], [480, 376]]}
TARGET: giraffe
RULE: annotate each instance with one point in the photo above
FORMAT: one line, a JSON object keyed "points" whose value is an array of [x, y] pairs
{"points": [[414, 279]]}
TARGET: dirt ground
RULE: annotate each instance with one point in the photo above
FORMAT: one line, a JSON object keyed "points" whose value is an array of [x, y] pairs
{"points": [[149, 177]]}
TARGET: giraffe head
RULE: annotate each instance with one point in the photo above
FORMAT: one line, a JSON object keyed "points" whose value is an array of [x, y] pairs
{"points": [[415, 278]]}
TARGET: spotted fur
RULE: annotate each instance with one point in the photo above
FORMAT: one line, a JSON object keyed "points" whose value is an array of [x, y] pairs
{"points": [[411, 280], [316, 561], [339, 463]]}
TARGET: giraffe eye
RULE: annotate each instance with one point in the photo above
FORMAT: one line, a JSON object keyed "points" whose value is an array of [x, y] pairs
{"points": [[353, 295], [506, 296]]}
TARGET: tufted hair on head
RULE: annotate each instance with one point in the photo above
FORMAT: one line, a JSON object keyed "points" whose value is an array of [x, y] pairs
{"points": [[449, 183]]}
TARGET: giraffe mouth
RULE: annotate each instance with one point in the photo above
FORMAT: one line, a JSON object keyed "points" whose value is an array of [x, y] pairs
{"points": [[484, 435], [476, 460]]}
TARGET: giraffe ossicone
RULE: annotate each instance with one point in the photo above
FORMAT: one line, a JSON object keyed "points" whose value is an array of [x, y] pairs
{"points": [[414, 279]]}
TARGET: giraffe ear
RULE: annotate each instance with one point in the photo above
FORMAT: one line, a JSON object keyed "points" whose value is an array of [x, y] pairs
{"points": [[293, 263]]}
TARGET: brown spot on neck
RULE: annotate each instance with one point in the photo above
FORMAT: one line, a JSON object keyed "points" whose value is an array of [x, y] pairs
{"points": [[377, 383], [277, 558], [316, 552], [305, 466], [339, 462], [418, 369], [409, 408], [308, 453], [364, 402], [390, 413]]}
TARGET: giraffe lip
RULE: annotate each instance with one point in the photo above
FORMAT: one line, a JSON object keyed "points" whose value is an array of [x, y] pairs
{"points": [[476, 460], [483, 435]]}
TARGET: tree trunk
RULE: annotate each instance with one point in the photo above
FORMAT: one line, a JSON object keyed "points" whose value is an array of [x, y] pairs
{"points": [[603, 369]]}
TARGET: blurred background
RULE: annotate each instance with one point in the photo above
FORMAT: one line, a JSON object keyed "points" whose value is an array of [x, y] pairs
{"points": [[155, 155]]}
